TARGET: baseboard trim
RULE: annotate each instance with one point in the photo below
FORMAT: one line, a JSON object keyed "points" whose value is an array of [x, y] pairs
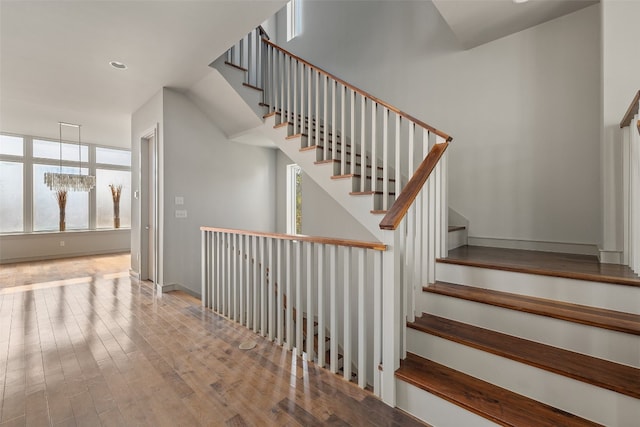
{"points": [[64, 256], [134, 274], [534, 245], [177, 287], [610, 257]]}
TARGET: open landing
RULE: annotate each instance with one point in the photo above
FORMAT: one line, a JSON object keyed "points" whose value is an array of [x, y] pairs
{"points": [[583, 267]]}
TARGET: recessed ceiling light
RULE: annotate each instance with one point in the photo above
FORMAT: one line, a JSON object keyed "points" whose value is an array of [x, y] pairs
{"points": [[520, 1], [118, 65]]}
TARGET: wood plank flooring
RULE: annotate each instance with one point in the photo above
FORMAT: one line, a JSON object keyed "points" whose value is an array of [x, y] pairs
{"points": [[95, 347], [583, 267]]}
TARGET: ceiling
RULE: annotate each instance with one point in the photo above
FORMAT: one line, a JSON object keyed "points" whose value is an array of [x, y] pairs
{"points": [[54, 58], [54, 55], [476, 22]]}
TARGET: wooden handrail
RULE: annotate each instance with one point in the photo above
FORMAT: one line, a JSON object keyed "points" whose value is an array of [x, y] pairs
{"points": [[402, 204], [631, 111], [363, 93], [299, 237]]}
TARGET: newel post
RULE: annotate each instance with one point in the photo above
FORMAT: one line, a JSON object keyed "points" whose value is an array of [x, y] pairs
{"points": [[391, 315]]}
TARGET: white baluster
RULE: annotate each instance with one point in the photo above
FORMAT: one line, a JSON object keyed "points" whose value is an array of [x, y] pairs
{"points": [[363, 144], [398, 175], [256, 284], [289, 300], [271, 291], [299, 319], [324, 120], [377, 322], [411, 284], [241, 281], [343, 145], [385, 159], [321, 288], [234, 275], [346, 285], [279, 293], [263, 288], [294, 100], [317, 111], [333, 128], [333, 311], [352, 169], [310, 115], [203, 266], [309, 289], [362, 321], [374, 159]]}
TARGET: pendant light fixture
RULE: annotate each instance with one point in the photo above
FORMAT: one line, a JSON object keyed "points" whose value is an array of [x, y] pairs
{"points": [[66, 181]]}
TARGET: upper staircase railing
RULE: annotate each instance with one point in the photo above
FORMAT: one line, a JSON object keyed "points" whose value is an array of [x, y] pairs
{"points": [[630, 125], [387, 153]]}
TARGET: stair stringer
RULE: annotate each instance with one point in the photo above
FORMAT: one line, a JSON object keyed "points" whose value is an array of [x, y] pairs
{"points": [[236, 79], [359, 206]]}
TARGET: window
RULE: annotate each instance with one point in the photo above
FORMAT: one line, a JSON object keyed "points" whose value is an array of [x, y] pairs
{"points": [[46, 215], [104, 198], [293, 19], [11, 197], [11, 145], [294, 199], [51, 150], [28, 205]]}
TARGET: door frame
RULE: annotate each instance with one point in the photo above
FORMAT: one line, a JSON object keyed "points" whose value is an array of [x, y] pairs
{"points": [[149, 181]]}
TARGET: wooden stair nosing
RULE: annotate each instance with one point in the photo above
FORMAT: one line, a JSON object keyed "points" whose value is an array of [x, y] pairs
{"points": [[487, 400], [453, 228], [591, 370], [357, 175], [379, 212], [592, 316], [369, 193], [543, 272], [250, 86], [239, 67], [321, 162]]}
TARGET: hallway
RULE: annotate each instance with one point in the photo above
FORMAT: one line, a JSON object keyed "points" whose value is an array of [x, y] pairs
{"points": [[83, 344]]}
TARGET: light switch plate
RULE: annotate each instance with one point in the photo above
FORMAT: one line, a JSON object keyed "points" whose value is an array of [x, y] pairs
{"points": [[179, 200], [181, 213]]}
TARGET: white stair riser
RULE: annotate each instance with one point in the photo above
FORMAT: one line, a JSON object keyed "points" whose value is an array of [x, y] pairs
{"points": [[434, 410], [595, 294], [582, 399], [597, 342]]}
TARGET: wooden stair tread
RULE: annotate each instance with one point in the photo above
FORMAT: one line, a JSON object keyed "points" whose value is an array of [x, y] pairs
{"points": [[357, 175], [369, 193], [231, 64], [250, 86], [487, 400], [321, 162], [453, 228], [602, 373], [592, 316], [569, 266]]}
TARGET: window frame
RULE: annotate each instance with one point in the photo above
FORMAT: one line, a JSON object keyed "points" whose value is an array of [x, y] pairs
{"points": [[293, 171], [28, 161]]}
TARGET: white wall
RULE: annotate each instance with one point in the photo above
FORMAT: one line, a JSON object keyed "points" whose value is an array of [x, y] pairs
{"points": [[620, 82], [223, 183], [38, 246], [143, 121], [321, 214], [523, 110]]}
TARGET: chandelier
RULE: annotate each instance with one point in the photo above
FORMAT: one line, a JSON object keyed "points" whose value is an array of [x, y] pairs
{"points": [[66, 181]]}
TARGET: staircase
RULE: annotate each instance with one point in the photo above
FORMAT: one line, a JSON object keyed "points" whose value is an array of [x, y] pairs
{"points": [[486, 341]]}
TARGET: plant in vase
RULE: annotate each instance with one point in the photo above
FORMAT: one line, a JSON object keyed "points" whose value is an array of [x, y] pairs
{"points": [[61, 196], [116, 191]]}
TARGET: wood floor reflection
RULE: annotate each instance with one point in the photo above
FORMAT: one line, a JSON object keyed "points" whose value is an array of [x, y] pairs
{"points": [[91, 347]]}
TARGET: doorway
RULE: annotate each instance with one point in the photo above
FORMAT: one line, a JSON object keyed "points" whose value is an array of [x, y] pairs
{"points": [[149, 209]]}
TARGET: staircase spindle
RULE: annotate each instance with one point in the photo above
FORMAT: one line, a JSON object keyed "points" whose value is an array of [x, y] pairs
{"points": [[385, 159], [309, 290], [362, 321], [333, 344], [321, 321], [343, 144], [298, 299], [346, 319], [289, 309], [352, 133], [333, 128], [363, 144]]}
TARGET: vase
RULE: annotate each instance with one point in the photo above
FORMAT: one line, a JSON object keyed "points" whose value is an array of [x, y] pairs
{"points": [[116, 222], [63, 225]]}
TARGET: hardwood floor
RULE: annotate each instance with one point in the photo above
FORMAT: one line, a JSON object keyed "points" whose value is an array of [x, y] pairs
{"points": [[81, 343]]}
